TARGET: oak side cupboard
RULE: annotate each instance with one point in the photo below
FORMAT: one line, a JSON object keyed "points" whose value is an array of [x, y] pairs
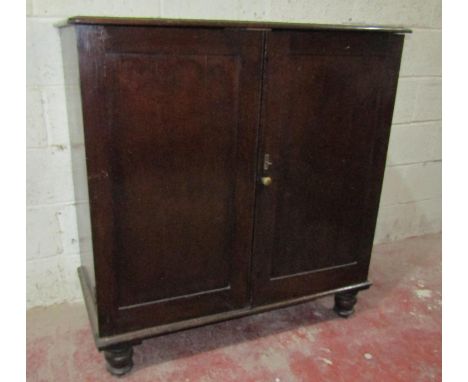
{"points": [[231, 167]]}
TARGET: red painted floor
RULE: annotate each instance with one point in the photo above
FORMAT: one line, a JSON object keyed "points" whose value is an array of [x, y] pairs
{"points": [[395, 335]]}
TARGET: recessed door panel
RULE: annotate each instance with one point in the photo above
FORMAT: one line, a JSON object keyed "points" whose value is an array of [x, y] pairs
{"points": [[174, 168]]}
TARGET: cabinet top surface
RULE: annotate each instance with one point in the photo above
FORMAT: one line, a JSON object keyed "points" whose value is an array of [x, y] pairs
{"points": [[130, 21]]}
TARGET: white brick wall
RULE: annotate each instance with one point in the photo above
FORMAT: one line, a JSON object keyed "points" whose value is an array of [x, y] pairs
{"points": [[411, 200]]}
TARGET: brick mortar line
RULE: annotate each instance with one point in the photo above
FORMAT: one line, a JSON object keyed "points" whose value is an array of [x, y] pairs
{"points": [[41, 86], [58, 204], [425, 163], [411, 202], [415, 123], [58, 255], [422, 76], [59, 147], [425, 29], [419, 121]]}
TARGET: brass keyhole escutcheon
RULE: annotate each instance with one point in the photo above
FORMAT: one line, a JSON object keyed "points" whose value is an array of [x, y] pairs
{"points": [[267, 162], [266, 180]]}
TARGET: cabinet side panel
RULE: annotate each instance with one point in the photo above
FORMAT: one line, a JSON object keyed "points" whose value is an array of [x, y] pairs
{"points": [[96, 141], [75, 124], [389, 73]]}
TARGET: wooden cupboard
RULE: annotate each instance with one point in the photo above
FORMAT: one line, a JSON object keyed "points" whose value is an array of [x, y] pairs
{"points": [[231, 167]]}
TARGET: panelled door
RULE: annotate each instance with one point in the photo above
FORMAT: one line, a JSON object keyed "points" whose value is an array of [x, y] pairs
{"points": [[328, 102], [171, 168]]}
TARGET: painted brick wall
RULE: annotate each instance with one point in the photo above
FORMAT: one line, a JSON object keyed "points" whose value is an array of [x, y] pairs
{"points": [[411, 201]]}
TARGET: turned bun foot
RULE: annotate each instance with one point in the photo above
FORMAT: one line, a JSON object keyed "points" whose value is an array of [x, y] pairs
{"points": [[344, 303], [119, 359]]}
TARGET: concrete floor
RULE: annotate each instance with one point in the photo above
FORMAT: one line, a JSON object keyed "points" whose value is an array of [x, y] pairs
{"points": [[395, 335]]}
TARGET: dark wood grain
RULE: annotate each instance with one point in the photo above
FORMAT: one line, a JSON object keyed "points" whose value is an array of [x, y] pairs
{"points": [[194, 23], [170, 139], [327, 102], [190, 225], [136, 336]]}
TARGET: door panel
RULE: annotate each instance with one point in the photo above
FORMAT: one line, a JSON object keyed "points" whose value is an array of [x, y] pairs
{"points": [[326, 117], [174, 164], [178, 149]]}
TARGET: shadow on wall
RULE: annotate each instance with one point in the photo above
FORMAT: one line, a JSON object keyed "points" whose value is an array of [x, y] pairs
{"points": [[411, 200]]}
